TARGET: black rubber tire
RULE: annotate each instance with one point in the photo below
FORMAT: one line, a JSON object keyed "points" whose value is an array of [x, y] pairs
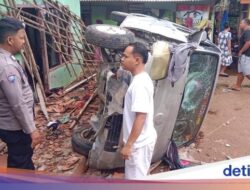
{"points": [[109, 36], [80, 144], [118, 16]]}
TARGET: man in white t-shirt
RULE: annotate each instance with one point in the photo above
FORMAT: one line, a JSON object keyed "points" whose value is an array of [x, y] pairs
{"points": [[139, 134]]}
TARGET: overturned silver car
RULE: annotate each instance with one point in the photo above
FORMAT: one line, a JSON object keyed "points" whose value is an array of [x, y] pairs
{"points": [[183, 65]]}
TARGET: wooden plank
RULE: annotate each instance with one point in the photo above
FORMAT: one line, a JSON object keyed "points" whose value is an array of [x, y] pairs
{"points": [[44, 52], [42, 101], [78, 84]]}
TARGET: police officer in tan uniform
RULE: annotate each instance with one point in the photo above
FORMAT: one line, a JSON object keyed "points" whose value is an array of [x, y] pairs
{"points": [[17, 126]]}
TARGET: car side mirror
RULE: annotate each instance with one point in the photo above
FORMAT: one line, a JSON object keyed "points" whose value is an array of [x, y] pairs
{"points": [[198, 37]]}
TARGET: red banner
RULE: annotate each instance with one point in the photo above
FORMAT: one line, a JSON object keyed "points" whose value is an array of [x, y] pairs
{"points": [[193, 7]]}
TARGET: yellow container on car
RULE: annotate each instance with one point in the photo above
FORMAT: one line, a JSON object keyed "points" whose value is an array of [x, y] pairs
{"points": [[161, 58]]}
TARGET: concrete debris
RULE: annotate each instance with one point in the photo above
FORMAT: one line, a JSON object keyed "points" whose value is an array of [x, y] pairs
{"points": [[42, 168], [227, 145], [56, 154], [48, 156], [212, 112], [192, 145], [228, 157], [226, 90], [199, 150]]}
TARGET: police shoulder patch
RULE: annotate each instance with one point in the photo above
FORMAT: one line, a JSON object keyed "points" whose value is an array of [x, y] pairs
{"points": [[13, 57], [12, 78]]}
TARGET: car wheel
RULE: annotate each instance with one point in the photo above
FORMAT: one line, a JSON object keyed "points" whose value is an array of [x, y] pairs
{"points": [[80, 140], [108, 36]]}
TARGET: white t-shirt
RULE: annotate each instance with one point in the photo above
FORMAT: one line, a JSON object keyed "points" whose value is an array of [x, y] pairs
{"points": [[139, 98]]}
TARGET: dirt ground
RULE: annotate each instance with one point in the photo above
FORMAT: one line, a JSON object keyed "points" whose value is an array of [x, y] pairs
{"points": [[226, 127], [54, 154], [225, 134]]}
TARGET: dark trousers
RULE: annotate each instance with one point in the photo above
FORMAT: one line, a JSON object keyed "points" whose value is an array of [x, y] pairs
{"points": [[19, 149]]}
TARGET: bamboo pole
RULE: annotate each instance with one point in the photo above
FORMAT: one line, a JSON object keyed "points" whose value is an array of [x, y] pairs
{"points": [[44, 52]]}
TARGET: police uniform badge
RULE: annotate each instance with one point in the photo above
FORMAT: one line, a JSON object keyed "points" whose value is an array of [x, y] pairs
{"points": [[13, 57], [11, 78]]}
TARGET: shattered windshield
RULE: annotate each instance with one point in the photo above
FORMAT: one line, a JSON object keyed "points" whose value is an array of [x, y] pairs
{"points": [[197, 94]]}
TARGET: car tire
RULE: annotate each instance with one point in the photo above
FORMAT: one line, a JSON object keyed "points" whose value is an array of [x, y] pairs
{"points": [[80, 143], [109, 36], [118, 16]]}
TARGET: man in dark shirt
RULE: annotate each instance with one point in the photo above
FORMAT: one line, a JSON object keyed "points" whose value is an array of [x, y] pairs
{"points": [[244, 54]]}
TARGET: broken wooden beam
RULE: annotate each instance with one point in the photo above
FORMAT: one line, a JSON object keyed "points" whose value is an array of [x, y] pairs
{"points": [[78, 84]]}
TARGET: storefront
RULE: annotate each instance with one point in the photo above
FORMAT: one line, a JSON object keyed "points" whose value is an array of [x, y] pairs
{"points": [[232, 12], [192, 13], [245, 11]]}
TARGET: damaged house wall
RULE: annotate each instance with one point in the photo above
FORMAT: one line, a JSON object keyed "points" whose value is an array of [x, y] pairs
{"points": [[73, 5], [56, 39]]}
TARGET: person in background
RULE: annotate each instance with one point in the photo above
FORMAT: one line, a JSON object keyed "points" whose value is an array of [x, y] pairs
{"points": [[244, 54], [224, 42], [17, 126], [139, 134]]}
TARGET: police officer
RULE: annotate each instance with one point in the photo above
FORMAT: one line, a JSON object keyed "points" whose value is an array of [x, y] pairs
{"points": [[17, 126]]}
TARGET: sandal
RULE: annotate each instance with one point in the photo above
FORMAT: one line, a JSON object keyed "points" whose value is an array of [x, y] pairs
{"points": [[223, 75]]}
